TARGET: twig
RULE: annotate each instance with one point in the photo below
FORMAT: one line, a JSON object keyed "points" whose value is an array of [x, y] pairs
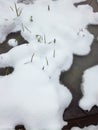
{"points": [[32, 57], [43, 68], [54, 40], [47, 61], [54, 53], [48, 7], [11, 8], [31, 18], [44, 39], [17, 10], [39, 38], [22, 27], [27, 29]]}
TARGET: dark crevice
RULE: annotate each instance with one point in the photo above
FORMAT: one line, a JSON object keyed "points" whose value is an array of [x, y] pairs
{"points": [[81, 122], [6, 71], [4, 47], [20, 127]]}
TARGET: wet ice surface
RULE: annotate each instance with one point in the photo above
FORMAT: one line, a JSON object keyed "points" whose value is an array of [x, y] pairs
{"points": [[53, 40]]}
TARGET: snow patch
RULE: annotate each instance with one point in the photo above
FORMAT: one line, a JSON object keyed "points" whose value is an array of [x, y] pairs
{"points": [[13, 42], [89, 89]]}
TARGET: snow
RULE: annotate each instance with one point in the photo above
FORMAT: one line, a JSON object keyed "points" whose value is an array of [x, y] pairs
{"points": [[91, 127], [90, 82], [55, 30], [30, 98], [13, 42]]}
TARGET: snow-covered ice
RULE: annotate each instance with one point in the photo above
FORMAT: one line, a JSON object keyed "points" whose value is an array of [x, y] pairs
{"points": [[55, 30], [91, 127]]}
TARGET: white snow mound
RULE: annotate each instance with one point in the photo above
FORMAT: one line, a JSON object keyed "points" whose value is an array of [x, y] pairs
{"points": [[89, 89], [12, 42], [28, 95]]}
